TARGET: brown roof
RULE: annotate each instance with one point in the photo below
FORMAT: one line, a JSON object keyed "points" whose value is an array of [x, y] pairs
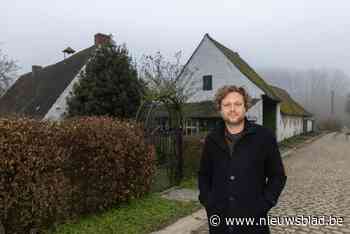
{"points": [[33, 95], [288, 105]]}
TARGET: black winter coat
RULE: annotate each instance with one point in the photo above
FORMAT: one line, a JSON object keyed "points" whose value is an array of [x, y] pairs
{"points": [[246, 183]]}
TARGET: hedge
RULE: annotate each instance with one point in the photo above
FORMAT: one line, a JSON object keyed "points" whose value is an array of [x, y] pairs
{"points": [[54, 171]]}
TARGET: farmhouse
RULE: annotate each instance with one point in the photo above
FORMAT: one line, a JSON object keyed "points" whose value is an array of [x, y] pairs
{"points": [[216, 65], [41, 93]]}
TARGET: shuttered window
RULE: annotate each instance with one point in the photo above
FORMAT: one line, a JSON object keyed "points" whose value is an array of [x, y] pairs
{"points": [[208, 82]]}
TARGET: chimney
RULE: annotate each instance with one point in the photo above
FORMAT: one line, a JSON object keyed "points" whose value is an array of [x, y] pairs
{"points": [[101, 39], [36, 69]]}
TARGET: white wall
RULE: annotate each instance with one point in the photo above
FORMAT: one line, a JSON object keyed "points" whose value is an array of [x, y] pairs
{"points": [[279, 131], [256, 112], [289, 126], [209, 60], [309, 125], [58, 109]]}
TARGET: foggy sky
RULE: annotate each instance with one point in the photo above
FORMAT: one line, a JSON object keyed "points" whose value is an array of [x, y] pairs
{"points": [[294, 34]]}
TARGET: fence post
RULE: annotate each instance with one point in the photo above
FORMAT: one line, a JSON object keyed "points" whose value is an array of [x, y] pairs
{"points": [[2, 228]]}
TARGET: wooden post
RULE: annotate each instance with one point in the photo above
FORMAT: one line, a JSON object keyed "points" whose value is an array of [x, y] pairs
{"points": [[2, 228]]}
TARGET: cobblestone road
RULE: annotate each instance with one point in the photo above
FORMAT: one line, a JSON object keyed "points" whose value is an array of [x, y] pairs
{"points": [[318, 184]]}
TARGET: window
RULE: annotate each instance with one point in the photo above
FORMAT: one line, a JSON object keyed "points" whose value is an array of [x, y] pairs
{"points": [[207, 82], [191, 127]]}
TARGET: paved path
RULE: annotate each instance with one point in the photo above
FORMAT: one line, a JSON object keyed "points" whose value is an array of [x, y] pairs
{"points": [[318, 184], [181, 194]]}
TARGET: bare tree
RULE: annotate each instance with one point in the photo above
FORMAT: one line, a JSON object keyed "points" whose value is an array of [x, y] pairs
{"points": [[168, 83], [347, 105], [8, 68]]}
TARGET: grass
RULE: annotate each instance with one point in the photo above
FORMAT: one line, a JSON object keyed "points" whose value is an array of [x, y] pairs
{"points": [[144, 215], [161, 180], [296, 140], [190, 183]]}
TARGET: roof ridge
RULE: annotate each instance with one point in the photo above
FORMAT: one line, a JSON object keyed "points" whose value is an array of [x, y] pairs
{"points": [[289, 105], [42, 90], [67, 59]]}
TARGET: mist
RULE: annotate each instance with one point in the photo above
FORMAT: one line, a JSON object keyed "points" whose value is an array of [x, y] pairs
{"points": [[299, 45]]}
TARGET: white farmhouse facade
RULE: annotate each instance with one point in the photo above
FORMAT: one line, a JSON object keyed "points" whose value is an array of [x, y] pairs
{"points": [[292, 118], [212, 65], [209, 61], [288, 126]]}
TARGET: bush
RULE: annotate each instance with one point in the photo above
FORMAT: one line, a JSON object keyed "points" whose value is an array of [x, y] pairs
{"points": [[108, 86], [52, 171]]}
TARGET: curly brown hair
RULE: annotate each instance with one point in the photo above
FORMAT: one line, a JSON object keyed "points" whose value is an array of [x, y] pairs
{"points": [[226, 89]]}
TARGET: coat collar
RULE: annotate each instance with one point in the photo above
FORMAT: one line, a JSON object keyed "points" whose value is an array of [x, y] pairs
{"points": [[218, 134]]}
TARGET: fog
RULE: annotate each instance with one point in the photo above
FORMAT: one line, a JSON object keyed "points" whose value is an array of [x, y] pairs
{"points": [[292, 43]]}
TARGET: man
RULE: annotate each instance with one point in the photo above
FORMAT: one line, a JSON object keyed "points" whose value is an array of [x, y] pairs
{"points": [[241, 173]]}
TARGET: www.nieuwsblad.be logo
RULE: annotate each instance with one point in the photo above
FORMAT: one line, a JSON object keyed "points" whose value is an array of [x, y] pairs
{"points": [[300, 220]]}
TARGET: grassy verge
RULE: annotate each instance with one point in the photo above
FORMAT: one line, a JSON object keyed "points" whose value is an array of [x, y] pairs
{"points": [[148, 214], [139, 216], [190, 183], [296, 140]]}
